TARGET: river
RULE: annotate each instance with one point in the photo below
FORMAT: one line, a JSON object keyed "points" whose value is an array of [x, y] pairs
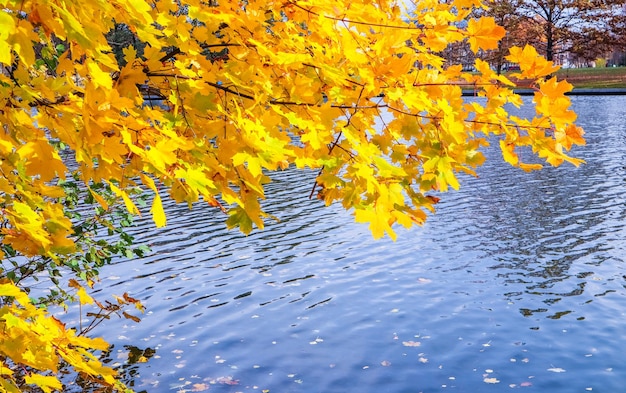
{"points": [[517, 282]]}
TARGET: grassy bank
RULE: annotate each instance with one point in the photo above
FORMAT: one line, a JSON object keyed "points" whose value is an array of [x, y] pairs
{"points": [[594, 78]]}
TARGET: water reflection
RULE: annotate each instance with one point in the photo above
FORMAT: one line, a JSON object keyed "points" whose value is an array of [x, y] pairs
{"points": [[518, 274], [539, 227]]}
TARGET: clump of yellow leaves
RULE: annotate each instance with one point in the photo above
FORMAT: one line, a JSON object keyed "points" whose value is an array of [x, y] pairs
{"points": [[356, 90], [37, 341], [295, 83]]}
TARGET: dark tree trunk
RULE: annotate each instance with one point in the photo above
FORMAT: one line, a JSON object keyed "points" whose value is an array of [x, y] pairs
{"points": [[549, 39]]}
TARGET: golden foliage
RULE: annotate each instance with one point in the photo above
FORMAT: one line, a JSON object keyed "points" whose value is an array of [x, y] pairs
{"points": [[355, 89], [32, 338]]}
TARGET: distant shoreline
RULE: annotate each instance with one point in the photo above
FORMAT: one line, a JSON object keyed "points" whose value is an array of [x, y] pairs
{"points": [[575, 92]]}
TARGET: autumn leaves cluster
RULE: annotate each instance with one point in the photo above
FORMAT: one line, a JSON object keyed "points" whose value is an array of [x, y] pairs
{"points": [[243, 89]]}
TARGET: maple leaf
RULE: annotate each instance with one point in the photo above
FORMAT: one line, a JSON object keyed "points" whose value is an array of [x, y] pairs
{"points": [[554, 89], [83, 297], [378, 225], [8, 25], [484, 33], [574, 135], [531, 63], [45, 382], [508, 152]]}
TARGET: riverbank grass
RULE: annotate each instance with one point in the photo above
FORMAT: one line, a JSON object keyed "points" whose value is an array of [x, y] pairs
{"points": [[594, 78]]}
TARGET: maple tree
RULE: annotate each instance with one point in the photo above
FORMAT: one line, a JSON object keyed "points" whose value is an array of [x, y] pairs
{"points": [[243, 88]]}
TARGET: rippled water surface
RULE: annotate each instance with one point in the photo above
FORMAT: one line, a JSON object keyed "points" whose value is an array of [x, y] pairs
{"points": [[517, 282]]}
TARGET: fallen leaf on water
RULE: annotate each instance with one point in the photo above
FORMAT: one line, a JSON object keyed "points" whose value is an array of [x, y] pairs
{"points": [[525, 384], [385, 363], [411, 343], [491, 380], [556, 370], [424, 280], [199, 387]]}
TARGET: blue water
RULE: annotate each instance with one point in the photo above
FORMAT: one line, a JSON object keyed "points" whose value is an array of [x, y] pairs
{"points": [[518, 282]]}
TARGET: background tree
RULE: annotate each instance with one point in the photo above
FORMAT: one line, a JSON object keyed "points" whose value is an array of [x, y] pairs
{"points": [[589, 44], [571, 25], [247, 88], [618, 32]]}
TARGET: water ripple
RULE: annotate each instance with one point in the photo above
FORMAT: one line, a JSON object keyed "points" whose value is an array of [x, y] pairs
{"points": [[517, 274]]}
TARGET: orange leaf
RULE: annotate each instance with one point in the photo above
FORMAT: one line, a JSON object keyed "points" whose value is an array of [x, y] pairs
{"points": [[484, 33]]}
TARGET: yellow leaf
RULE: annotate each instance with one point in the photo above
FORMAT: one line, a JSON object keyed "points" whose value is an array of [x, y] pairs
{"points": [[45, 382], [508, 152], [130, 206], [99, 77], [446, 174], [484, 33], [83, 297], [8, 26], [22, 43], [377, 223], [531, 63], [142, 7], [98, 199], [11, 290], [555, 89], [158, 214], [72, 26], [130, 54]]}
